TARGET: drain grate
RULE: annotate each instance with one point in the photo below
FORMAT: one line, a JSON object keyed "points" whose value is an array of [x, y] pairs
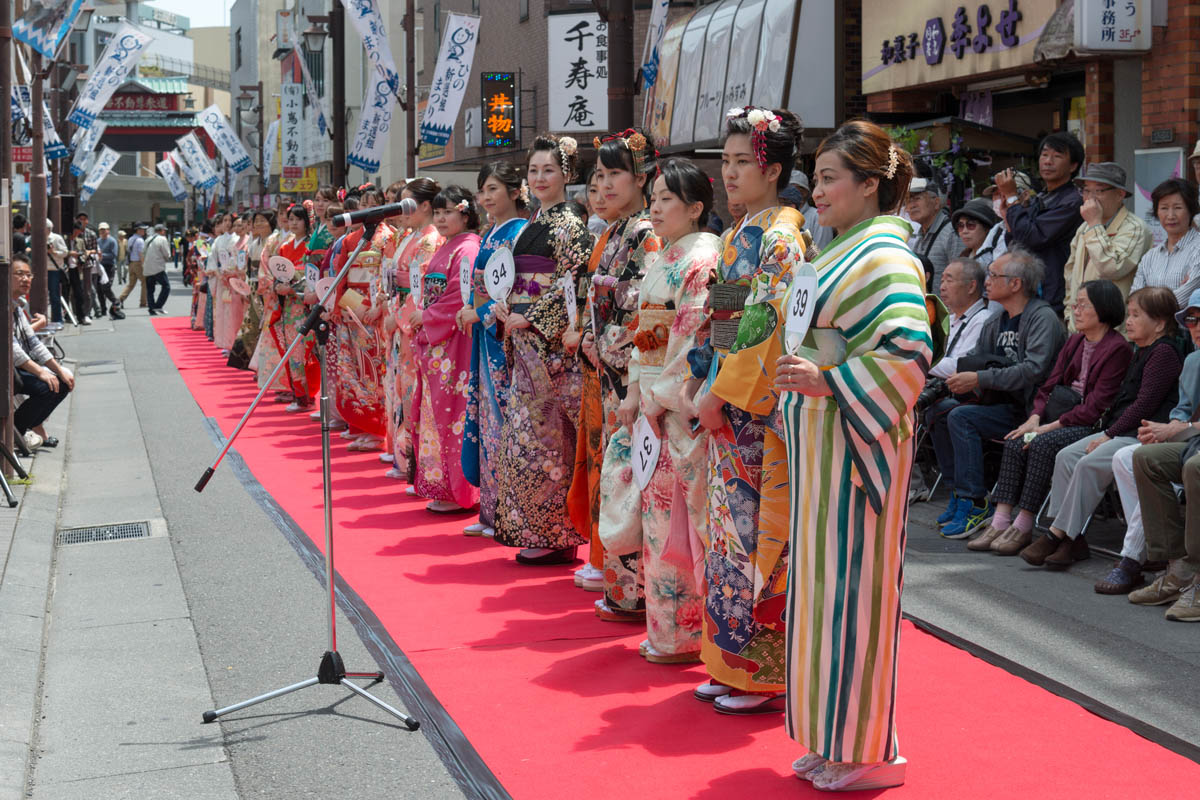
{"points": [[103, 533]]}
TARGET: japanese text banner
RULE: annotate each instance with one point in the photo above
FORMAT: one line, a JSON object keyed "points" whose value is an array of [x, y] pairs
{"points": [[450, 78], [119, 58], [55, 148], [578, 47], [223, 137], [99, 171], [174, 182], [44, 25], [269, 149], [202, 168], [85, 141]]}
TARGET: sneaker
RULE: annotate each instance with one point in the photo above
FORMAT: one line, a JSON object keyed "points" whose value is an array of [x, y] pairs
{"points": [[984, 540], [32, 440], [951, 508], [967, 518], [86, 321], [1186, 608], [1166, 589], [1012, 541]]}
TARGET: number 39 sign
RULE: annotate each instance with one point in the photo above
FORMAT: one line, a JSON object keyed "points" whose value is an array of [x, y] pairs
{"points": [[499, 274], [801, 301]]}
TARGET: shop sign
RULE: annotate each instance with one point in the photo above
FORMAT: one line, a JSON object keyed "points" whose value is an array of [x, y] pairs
{"points": [[579, 90], [499, 109], [926, 41], [307, 182], [130, 101], [1112, 24]]}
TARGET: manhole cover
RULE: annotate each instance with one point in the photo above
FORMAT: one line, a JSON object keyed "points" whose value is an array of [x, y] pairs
{"points": [[103, 533]]}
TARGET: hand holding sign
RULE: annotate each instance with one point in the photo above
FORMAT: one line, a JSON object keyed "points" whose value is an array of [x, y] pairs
{"points": [[464, 280], [568, 286], [281, 269], [645, 447], [322, 287], [240, 286], [499, 274], [414, 282], [312, 274], [801, 301]]}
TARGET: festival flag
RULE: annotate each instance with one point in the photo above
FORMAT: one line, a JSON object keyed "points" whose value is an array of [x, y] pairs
{"points": [[53, 143], [202, 168], [382, 85], [450, 78], [222, 135], [99, 171], [84, 144], [120, 56], [269, 149], [174, 182], [46, 23]]}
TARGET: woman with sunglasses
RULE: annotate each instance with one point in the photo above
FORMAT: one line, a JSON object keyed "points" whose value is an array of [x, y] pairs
{"points": [[976, 225]]}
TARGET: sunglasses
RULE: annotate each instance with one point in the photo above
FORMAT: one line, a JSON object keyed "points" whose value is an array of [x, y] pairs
{"points": [[1190, 320]]}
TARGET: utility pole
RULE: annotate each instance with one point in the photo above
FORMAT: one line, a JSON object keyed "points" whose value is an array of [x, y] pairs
{"points": [[39, 296], [620, 64], [6, 174], [337, 31], [410, 88]]}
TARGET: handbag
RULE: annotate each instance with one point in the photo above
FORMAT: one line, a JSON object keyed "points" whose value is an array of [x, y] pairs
{"points": [[1061, 400]]}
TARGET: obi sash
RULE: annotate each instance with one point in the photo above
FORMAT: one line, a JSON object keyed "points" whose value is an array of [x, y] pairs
{"points": [[527, 285], [434, 284], [654, 332]]}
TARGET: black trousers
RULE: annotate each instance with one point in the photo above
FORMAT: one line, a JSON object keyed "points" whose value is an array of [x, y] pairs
{"points": [[104, 291], [81, 302], [40, 400], [154, 282], [54, 288]]}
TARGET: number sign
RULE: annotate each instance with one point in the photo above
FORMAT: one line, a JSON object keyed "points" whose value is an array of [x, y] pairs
{"points": [[281, 268], [499, 274], [464, 280], [645, 452], [800, 304]]}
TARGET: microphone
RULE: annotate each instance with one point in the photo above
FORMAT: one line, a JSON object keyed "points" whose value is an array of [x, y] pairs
{"points": [[376, 214]]}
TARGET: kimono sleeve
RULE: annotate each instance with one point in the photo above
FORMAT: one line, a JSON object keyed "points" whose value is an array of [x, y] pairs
{"points": [[747, 375], [438, 319], [572, 247], [881, 313], [691, 317], [616, 341]]}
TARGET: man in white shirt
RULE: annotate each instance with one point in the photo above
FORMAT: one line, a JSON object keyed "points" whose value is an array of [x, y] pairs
{"points": [[136, 252], [154, 267], [962, 292]]}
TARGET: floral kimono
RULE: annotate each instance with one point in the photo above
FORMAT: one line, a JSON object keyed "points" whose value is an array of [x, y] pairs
{"points": [[849, 457], [391, 339], [583, 500], [303, 370], [443, 355], [226, 261], [417, 251], [535, 466], [745, 566], [616, 283], [272, 339], [489, 378], [671, 312], [358, 372]]}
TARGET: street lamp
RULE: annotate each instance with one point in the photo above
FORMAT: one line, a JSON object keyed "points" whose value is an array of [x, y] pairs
{"points": [[314, 37]]}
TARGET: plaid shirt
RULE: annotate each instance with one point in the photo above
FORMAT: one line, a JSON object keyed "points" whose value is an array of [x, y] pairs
{"points": [[26, 345], [1178, 270], [86, 240]]}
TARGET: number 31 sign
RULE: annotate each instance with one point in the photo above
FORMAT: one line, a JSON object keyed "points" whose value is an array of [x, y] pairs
{"points": [[801, 301]]}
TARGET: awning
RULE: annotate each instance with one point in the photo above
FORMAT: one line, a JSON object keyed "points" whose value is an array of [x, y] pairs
{"points": [[1058, 38]]}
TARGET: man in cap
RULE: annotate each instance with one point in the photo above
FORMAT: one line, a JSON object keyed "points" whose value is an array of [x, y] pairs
{"points": [[103, 277], [1111, 241], [1047, 223], [1025, 192], [820, 234], [137, 251], [935, 237], [1166, 458], [154, 267]]}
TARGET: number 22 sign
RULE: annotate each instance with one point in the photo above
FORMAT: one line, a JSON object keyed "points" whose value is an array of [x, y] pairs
{"points": [[801, 301]]}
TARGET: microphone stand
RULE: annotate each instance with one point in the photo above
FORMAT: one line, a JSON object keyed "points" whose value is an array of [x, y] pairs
{"points": [[331, 669]]}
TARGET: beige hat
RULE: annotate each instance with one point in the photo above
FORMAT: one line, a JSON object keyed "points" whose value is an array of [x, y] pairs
{"points": [[1195, 152], [103, 226], [1021, 178]]}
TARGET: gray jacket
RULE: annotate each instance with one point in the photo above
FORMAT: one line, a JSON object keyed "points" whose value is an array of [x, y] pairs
{"points": [[940, 243], [1040, 335]]}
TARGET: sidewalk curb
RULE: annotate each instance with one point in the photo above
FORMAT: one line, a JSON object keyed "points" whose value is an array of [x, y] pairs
{"points": [[25, 592]]}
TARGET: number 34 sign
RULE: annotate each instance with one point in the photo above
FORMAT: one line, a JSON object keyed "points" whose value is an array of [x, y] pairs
{"points": [[801, 301], [500, 274]]}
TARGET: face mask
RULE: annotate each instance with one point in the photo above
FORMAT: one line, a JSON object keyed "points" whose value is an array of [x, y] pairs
{"points": [[997, 203]]}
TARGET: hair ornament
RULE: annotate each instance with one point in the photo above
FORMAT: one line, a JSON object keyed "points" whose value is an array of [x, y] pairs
{"points": [[761, 120], [635, 143], [568, 147], [463, 205], [341, 195], [893, 162], [525, 191]]}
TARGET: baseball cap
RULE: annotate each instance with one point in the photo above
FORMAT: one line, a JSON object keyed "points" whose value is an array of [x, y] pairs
{"points": [[103, 226]]}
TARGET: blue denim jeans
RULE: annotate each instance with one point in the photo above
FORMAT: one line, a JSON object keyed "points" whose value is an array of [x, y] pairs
{"points": [[959, 432]]}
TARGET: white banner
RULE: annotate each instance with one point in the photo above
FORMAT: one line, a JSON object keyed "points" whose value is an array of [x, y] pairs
{"points": [[313, 100], [365, 16], [120, 56], [84, 142], [55, 148], [654, 37], [269, 149], [46, 23], [451, 77], [99, 171], [578, 49], [189, 174], [174, 182], [291, 130], [202, 168], [222, 135], [376, 121]]}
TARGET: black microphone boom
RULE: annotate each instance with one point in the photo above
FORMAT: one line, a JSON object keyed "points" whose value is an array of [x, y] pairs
{"points": [[377, 213]]}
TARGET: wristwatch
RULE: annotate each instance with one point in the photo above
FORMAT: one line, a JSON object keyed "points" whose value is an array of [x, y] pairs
{"points": [[1011, 200]]}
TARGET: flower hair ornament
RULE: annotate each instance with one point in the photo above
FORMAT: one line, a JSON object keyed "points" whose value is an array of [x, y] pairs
{"points": [[893, 162], [634, 142], [524, 191], [761, 120], [464, 205], [567, 146]]}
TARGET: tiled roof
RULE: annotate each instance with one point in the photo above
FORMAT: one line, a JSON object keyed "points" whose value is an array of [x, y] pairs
{"points": [[176, 85]]}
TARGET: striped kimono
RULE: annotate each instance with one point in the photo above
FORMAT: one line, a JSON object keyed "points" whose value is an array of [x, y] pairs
{"points": [[849, 457]]}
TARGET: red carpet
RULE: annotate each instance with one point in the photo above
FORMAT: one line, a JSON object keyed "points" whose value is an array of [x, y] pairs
{"points": [[559, 704]]}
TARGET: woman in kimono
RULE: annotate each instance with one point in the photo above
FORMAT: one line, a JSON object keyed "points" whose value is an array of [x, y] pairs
{"points": [[849, 392], [443, 356], [583, 500], [359, 373], [302, 368], [502, 195], [387, 325], [268, 306], [624, 162], [745, 566], [221, 265], [411, 260], [534, 470], [674, 505]]}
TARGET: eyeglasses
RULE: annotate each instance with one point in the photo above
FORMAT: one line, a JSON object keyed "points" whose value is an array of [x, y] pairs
{"points": [[966, 223], [997, 276], [1190, 320]]}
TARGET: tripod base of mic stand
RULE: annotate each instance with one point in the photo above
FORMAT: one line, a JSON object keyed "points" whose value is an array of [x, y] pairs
{"points": [[330, 671]]}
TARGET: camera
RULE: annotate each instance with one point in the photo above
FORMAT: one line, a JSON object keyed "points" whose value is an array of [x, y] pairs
{"points": [[935, 389]]}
